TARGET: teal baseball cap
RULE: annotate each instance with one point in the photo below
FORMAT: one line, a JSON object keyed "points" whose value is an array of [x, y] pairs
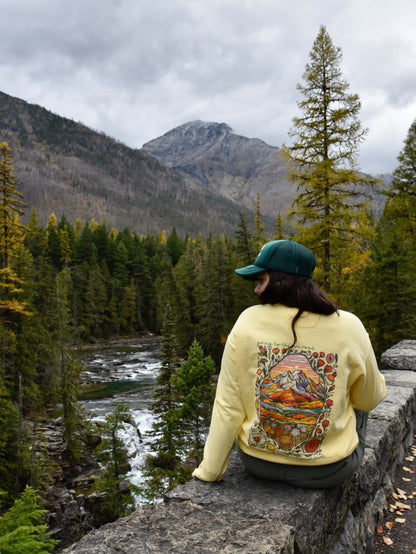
{"points": [[281, 255]]}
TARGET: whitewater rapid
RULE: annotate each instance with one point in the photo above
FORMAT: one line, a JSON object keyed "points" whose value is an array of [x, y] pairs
{"points": [[127, 374]]}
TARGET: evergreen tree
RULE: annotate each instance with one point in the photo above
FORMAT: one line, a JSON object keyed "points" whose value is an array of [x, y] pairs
{"points": [[52, 249], [385, 295], [193, 382], [175, 247], [70, 367], [11, 205], [22, 527], [329, 208], [34, 236], [117, 499], [11, 240], [259, 237], [185, 273], [95, 304], [279, 228], [13, 308], [9, 430], [244, 242], [161, 469], [168, 289], [214, 298], [85, 250]]}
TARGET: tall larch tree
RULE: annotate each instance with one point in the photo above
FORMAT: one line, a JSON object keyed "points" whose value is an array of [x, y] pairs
{"points": [[329, 208]]}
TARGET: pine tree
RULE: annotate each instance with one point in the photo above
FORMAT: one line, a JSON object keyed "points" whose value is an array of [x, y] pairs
{"points": [[23, 528], [11, 240], [193, 382], [174, 247], [329, 208], [161, 469], [169, 289], [385, 295], [70, 367], [214, 298], [95, 303], [185, 273], [117, 500], [11, 205], [9, 429], [165, 402], [13, 307], [244, 242], [259, 236]]}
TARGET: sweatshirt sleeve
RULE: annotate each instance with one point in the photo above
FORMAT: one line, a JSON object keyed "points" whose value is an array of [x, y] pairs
{"points": [[227, 417], [370, 388]]}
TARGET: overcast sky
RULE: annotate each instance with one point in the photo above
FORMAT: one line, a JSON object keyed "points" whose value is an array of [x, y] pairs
{"points": [[135, 69]]}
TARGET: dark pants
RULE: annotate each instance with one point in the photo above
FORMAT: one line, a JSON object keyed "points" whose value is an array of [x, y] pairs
{"points": [[311, 477]]}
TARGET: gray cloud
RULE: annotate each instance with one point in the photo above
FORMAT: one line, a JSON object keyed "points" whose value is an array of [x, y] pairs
{"points": [[134, 68]]}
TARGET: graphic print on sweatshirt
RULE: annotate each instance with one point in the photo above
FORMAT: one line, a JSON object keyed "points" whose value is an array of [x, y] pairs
{"points": [[293, 400]]}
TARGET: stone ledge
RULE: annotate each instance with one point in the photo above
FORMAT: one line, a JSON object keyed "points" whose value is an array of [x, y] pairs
{"points": [[400, 356], [243, 514]]}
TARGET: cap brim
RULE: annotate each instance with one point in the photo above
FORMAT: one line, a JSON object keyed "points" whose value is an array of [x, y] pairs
{"points": [[250, 272]]}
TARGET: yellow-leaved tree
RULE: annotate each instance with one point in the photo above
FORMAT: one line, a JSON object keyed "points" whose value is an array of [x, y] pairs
{"points": [[330, 211]]}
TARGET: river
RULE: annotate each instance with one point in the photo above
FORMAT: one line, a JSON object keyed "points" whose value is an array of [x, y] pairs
{"points": [[124, 372]]}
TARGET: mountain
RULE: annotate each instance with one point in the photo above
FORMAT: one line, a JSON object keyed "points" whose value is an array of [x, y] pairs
{"points": [[68, 169], [212, 157], [197, 177]]}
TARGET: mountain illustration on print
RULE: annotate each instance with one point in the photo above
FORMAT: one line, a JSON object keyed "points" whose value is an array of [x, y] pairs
{"points": [[292, 387], [294, 402], [300, 385]]}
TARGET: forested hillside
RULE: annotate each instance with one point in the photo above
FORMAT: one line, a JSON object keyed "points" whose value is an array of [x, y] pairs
{"points": [[73, 171]]}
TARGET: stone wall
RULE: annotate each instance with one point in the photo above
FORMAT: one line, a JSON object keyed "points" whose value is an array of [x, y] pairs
{"points": [[242, 514]]}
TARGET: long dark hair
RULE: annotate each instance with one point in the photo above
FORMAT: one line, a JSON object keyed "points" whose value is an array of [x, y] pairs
{"points": [[296, 291]]}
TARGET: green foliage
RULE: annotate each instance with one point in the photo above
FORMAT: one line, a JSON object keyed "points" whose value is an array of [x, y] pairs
{"points": [[385, 295], [10, 208], [182, 409], [330, 209], [117, 498], [22, 527], [163, 470], [9, 432], [67, 283], [214, 297], [193, 383]]}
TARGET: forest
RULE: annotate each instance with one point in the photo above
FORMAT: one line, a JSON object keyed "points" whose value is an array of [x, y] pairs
{"points": [[72, 283]]}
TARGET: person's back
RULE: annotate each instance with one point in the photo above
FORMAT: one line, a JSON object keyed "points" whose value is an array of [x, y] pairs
{"points": [[293, 383]]}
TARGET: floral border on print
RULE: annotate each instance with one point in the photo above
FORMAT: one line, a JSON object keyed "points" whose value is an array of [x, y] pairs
{"points": [[299, 434]]}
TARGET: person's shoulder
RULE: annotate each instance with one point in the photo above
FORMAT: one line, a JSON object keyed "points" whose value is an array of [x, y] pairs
{"points": [[348, 318], [250, 313]]}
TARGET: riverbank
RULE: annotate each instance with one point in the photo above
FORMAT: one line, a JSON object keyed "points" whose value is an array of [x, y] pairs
{"points": [[124, 370]]}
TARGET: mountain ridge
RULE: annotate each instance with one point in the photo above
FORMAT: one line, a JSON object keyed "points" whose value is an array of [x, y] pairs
{"points": [[65, 168], [217, 159], [197, 177]]}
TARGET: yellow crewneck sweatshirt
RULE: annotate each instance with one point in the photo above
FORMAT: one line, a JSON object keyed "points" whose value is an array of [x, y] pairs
{"points": [[291, 405]]}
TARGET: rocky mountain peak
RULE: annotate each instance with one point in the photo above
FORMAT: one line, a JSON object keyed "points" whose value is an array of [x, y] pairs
{"points": [[213, 157], [187, 139]]}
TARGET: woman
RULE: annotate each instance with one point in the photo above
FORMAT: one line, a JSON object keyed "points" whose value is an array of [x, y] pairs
{"points": [[297, 379]]}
